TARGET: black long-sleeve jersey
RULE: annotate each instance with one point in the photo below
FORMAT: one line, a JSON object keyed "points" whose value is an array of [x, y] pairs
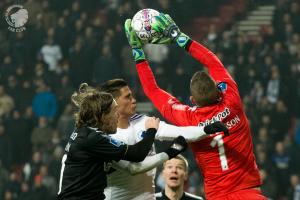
{"points": [[87, 161]]}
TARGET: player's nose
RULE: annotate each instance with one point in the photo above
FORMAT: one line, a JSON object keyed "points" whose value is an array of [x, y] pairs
{"points": [[133, 100]]}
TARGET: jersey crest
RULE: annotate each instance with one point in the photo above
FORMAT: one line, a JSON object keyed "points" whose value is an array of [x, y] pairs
{"points": [[222, 86], [115, 142]]}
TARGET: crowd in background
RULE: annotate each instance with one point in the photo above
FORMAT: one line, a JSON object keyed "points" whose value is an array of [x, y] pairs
{"points": [[69, 42]]}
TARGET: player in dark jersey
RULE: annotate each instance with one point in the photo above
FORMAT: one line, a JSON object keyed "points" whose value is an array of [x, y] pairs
{"points": [[90, 148], [227, 163], [175, 173]]}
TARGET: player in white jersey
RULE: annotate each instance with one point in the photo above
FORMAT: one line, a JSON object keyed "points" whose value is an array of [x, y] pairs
{"points": [[123, 185]]}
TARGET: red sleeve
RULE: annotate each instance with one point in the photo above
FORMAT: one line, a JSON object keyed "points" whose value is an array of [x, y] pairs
{"points": [[215, 68], [172, 109]]}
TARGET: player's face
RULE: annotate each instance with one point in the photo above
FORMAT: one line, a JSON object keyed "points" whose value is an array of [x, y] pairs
{"points": [[111, 120], [126, 102], [174, 173]]}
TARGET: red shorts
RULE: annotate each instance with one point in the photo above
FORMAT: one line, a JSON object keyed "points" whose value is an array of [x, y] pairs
{"points": [[249, 194]]}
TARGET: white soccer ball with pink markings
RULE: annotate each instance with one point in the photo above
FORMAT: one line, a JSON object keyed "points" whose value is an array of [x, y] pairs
{"points": [[141, 24]]}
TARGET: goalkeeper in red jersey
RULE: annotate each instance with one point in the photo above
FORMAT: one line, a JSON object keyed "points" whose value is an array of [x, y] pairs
{"points": [[227, 163]]}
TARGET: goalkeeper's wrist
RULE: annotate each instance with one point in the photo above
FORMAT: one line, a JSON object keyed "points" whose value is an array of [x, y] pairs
{"points": [[138, 55], [183, 41]]}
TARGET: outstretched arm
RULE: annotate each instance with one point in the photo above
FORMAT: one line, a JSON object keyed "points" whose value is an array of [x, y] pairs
{"points": [[177, 146], [166, 26], [162, 100], [149, 163], [172, 109], [190, 133]]}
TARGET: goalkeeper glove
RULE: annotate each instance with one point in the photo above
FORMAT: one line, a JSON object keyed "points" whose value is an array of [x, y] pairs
{"points": [[216, 127], [134, 42], [178, 145], [165, 25]]}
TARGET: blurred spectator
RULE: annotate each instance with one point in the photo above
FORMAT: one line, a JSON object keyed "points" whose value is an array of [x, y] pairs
{"points": [[65, 123], [269, 187], [13, 185], [294, 192], [105, 66], [281, 161], [19, 137], [5, 148], [55, 162], [6, 102], [6, 68], [48, 181], [44, 102], [51, 54], [4, 177], [63, 93], [41, 135], [39, 190], [31, 168], [156, 54], [25, 192]]}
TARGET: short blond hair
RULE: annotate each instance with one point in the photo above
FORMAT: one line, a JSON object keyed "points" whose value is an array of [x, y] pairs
{"points": [[180, 157]]}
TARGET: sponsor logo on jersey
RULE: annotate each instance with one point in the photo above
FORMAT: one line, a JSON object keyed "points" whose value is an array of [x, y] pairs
{"points": [[74, 136], [218, 117], [222, 86], [233, 122]]}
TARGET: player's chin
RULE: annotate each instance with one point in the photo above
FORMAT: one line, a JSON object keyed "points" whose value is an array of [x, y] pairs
{"points": [[173, 183], [133, 110]]}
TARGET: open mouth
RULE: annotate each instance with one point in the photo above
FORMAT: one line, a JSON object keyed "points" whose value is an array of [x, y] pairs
{"points": [[173, 178]]}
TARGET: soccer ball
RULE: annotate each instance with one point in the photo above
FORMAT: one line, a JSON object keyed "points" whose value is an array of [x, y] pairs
{"points": [[141, 24]]}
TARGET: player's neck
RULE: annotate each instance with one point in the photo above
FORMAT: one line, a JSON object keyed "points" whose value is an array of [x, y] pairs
{"points": [[174, 194], [123, 122]]}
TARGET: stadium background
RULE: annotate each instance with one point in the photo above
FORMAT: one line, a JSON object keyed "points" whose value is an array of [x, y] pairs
{"points": [[67, 42]]}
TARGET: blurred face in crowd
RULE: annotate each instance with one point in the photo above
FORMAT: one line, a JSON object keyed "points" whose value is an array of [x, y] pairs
{"points": [[175, 173], [126, 102], [111, 119]]}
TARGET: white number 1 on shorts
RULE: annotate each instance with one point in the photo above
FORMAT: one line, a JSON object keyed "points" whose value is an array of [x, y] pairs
{"points": [[218, 140]]}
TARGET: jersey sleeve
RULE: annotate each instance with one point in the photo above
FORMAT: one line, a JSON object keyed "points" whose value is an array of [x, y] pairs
{"points": [[215, 67], [105, 147], [147, 164], [169, 106], [169, 132]]}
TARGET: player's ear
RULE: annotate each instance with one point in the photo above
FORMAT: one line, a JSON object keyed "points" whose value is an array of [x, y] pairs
{"points": [[192, 99]]}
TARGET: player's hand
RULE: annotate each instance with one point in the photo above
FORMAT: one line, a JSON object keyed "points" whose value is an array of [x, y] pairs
{"points": [[152, 122], [178, 145], [215, 128], [166, 25], [134, 41]]}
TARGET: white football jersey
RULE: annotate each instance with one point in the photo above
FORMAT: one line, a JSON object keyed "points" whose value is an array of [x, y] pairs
{"points": [[122, 185]]}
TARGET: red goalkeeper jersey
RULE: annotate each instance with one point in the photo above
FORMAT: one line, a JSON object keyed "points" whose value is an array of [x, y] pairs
{"points": [[227, 163]]}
